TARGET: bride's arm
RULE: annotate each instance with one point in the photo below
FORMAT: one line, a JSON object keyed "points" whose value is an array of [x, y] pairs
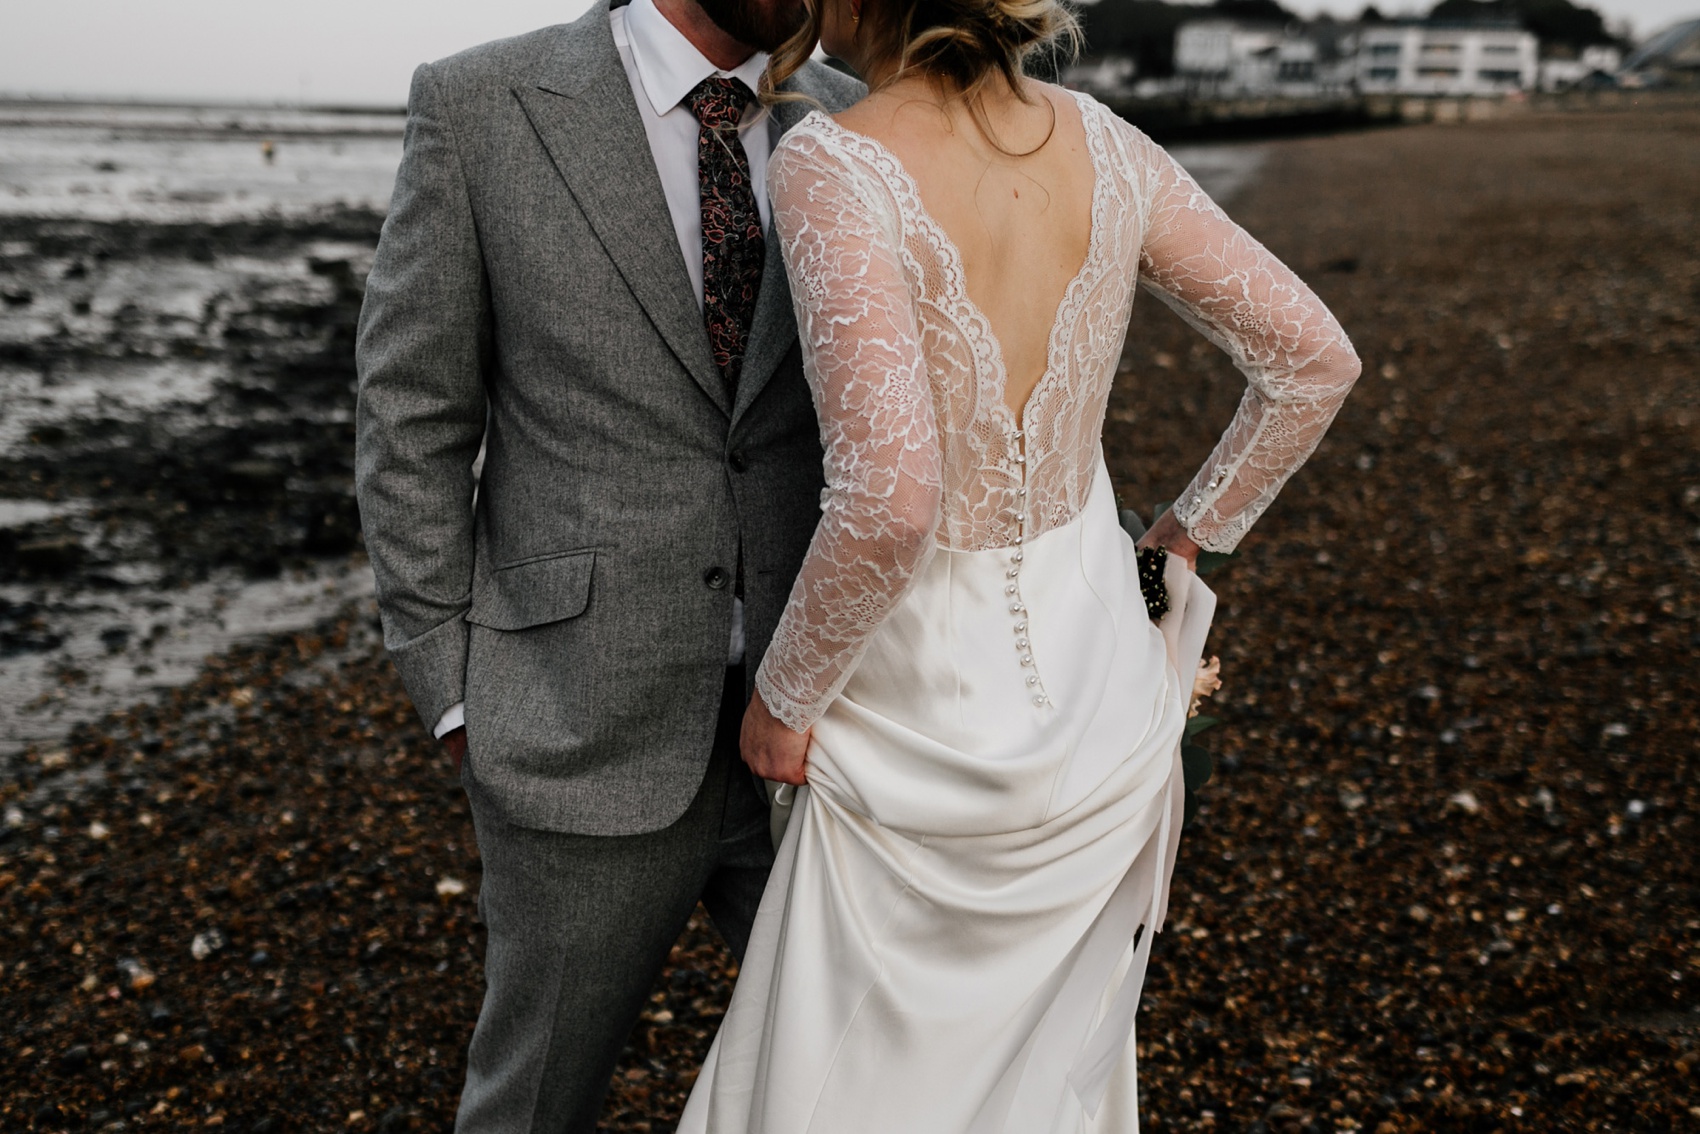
{"points": [[1297, 361], [862, 358]]}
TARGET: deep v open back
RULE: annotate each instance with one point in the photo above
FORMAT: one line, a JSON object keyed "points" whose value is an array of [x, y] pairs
{"points": [[985, 445], [1048, 290]]}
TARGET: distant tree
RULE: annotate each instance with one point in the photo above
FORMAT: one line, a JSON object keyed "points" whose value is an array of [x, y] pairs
{"points": [[1253, 11], [1141, 29], [1371, 15], [1556, 23], [1145, 29]]}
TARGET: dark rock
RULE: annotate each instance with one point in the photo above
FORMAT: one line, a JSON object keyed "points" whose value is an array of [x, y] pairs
{"points": [[398, 1119], [258, 472], [50, 554]]}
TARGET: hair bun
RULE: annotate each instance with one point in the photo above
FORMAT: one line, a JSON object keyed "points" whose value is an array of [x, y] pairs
{"points": [[964, 42]]}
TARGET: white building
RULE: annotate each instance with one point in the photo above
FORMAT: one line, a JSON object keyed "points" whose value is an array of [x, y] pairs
{"points": [[1111, 75], [1597, 65], [1419, 59], [1223, 58]]}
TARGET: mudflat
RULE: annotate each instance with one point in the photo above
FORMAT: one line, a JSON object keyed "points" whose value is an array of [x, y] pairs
{"points": [[1442, 880]]}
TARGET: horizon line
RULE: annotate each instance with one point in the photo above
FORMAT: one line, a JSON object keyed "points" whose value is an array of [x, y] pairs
{"points": [[152, 102]]}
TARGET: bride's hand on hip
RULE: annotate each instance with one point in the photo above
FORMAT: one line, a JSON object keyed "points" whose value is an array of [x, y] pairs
{"points": [[773, 751], [1167, 532]]}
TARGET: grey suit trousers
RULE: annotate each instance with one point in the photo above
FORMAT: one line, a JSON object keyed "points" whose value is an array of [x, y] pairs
{"points": [[578, 929]]}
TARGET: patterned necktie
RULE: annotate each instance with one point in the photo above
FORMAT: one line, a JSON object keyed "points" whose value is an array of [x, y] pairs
{"points": [[732, 247]]}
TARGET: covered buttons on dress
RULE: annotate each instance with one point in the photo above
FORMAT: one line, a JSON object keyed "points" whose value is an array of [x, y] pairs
{"points": [[1017, 608]]}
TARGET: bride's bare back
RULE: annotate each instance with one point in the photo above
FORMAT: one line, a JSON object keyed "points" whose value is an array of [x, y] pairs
{"points": [[1011, 187]]}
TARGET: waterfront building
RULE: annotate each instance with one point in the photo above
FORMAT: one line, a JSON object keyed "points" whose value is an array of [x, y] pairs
{"points": [[1437, 59], [1229, 59], [1596, 67]]}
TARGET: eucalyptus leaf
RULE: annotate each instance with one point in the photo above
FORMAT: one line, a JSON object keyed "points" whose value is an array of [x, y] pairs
{"points": [[1198, 724], [1196, 768], [1160, 507], [1211, 561], [1132, 524]]}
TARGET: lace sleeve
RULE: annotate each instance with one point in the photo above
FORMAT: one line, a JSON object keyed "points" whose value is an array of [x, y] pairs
{"points": [[862, 358], [1297, 361]]}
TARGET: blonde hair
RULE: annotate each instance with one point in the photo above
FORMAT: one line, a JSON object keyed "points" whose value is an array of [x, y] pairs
{"points": [[962, 43]]}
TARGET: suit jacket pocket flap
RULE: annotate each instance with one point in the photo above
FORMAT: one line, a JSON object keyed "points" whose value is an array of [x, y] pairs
{"points": [[533, 592]]}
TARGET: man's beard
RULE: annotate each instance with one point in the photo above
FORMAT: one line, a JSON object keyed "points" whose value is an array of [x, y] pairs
{"points": [[762, 24]]}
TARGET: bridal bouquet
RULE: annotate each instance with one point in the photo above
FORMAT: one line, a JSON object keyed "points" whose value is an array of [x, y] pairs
{"points": [[1197, 766]]}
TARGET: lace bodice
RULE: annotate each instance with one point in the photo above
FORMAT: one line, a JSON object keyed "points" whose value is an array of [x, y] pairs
{"points": [[921, 449]]}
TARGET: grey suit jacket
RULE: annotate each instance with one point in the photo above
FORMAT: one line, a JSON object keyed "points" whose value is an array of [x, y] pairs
{"points": [[528, 294]]}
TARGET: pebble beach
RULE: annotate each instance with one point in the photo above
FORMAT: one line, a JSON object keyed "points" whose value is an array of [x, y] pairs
{"points": [[1443, 878]]}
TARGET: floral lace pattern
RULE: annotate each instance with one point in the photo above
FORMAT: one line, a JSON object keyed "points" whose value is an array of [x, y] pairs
{"points": [[908, 378]]}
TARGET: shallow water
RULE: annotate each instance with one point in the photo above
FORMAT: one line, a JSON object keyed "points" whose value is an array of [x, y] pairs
{"points": [[196, 164]]}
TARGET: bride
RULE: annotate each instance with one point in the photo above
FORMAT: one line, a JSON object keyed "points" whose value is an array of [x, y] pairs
{"points": [[982, 721]]}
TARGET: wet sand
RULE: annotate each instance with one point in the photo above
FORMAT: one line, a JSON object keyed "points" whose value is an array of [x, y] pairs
{"points": [[1443, 879], [178, 288], [176, 450]]}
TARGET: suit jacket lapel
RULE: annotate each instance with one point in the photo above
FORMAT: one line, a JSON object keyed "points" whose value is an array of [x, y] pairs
{"points": [[583, 110], [773, 331]]}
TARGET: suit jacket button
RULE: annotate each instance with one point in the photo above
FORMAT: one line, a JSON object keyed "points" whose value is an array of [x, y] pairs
{"points": [[737, 462], [716, 578]]}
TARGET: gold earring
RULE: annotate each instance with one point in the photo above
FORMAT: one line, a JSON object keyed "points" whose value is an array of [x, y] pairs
{"points": [[856, 14]]}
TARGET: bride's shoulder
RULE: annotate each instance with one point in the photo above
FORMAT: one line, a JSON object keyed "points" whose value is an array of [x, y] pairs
{"points": [[870, 117], [818, 156], [822, 140], [1094, 114]]}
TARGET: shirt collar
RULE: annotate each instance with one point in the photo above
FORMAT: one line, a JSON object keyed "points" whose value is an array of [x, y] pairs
{"points": [[668, 65]]}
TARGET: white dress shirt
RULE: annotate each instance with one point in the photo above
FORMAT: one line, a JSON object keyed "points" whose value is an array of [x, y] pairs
{"points": [[663, 67]]}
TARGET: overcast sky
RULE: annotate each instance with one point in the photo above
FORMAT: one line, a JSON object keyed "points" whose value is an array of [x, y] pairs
{"points": [[335, 51]]}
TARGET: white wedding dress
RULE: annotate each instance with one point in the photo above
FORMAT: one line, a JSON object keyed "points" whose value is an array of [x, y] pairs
{"points": [[947, 942]]}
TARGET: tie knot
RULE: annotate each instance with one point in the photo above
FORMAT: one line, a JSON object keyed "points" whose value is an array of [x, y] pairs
{"points": [[719, 102]]}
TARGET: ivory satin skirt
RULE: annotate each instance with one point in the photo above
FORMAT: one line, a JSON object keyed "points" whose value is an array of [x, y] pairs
{"points": [[947, 944]]}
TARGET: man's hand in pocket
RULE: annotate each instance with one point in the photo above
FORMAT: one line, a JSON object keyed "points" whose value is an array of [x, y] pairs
{"points": [[455, 741]]}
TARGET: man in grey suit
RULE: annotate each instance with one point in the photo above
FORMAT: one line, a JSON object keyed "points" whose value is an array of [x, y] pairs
{"points": [[578, 273]]}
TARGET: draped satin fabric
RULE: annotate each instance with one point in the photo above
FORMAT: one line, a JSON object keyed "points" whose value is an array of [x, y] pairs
{"points": [[955, 901]]}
